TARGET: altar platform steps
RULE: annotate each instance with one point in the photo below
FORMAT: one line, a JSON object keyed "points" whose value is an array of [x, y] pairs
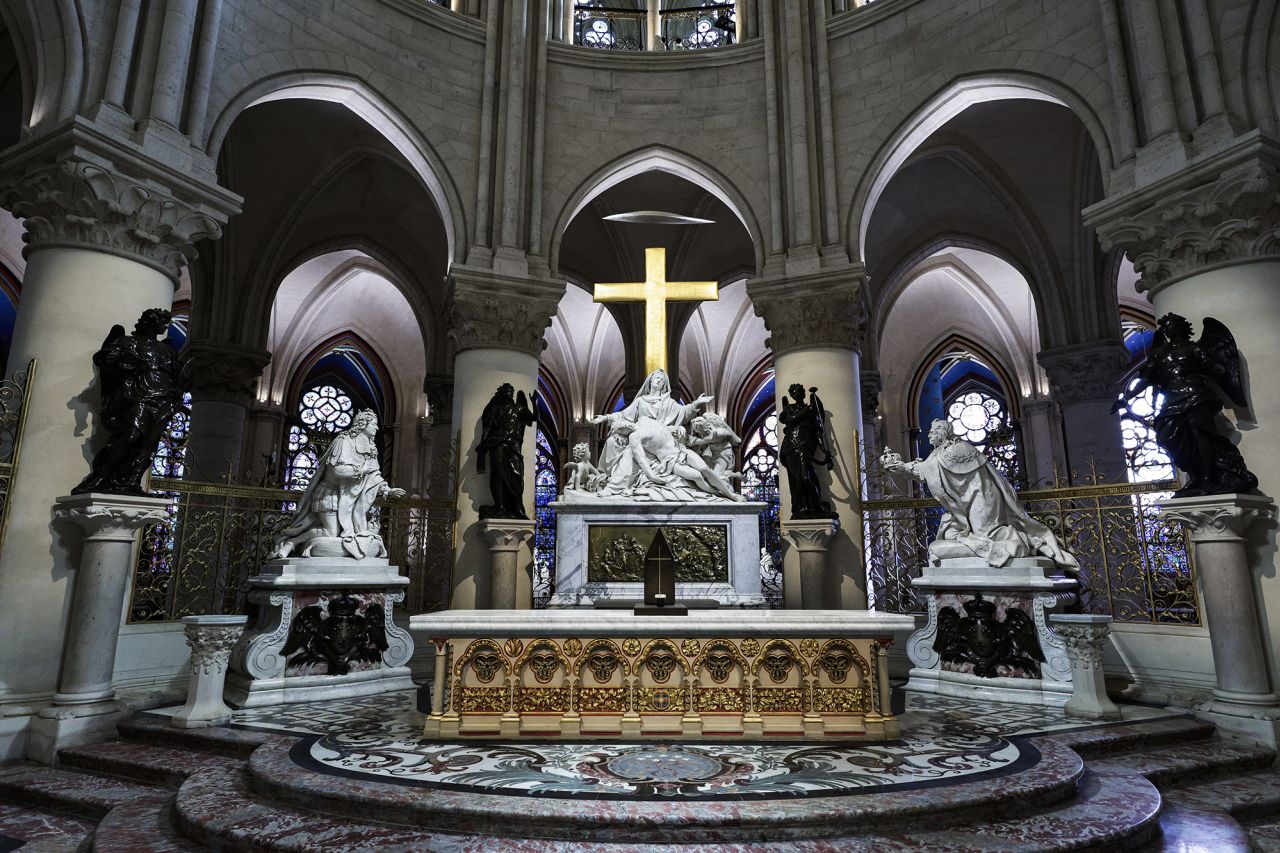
{"points": [[1162, 785]]}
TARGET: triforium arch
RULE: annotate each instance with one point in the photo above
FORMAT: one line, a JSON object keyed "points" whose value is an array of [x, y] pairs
{"points": [[902, 140], [366, 103], [662, 159]]}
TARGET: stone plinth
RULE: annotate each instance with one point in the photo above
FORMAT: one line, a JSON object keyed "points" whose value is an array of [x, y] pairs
{"points": [[814, 674], [810, 538], [1034, 585], [1243, 702], [211, 639], [281, 659], [505, 538], [738, 585], [84, 708], [1085, 636]]}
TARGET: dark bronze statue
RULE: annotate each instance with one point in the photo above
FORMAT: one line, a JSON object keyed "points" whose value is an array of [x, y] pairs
{"points": [[142, 384], [804, 435], [979, 638], [1193, 376], [500, 451]]}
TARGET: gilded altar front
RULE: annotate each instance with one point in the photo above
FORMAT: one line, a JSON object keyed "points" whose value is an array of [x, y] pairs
{"points": [[806, 678]]}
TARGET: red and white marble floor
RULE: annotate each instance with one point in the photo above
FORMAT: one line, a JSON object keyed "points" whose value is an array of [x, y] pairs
{"points": [[354, 776]]}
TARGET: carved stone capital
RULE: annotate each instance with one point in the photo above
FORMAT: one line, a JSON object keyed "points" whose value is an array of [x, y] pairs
{"points": [[223, 371], [1224, 210], [822, 310], [211, 639], [506, 534], [110, 518], [439, 390], [1218, 518], [1085, 637], [813, 535], [491, 311], [1084, 372], [80, 189]]}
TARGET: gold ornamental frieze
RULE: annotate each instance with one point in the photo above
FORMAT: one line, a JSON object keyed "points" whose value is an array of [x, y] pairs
{"points": [[548, 686]]}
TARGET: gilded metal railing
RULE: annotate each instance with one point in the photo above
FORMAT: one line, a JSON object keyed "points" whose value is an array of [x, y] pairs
{"points": [[1134, 566], [217, 536], [14, 394]]}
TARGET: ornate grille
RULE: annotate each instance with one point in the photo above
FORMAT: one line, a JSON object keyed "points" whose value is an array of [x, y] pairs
{"points": [[218, 535], [1133, 566], [14, 394]]}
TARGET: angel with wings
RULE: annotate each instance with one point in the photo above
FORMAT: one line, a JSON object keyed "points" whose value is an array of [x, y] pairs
{"points": [[500, 451], [804, 436], [1192, 376]]}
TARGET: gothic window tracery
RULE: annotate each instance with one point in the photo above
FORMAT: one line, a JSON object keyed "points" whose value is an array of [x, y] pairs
{"points": [[681, 24], [1145, 460], [760, 483], [322, 409], [546, 484]]}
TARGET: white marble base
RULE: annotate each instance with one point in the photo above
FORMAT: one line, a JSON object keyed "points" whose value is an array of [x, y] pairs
{"points": [[48, 735], [573, 520], [1243, 723], [1038, 586], [258, 676]]}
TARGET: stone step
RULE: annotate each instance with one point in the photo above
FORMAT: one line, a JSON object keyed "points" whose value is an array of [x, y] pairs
{"points": [[142, 762], [1182, 763], [143, 825], [1245, 797], [220, 740], [1185, 829], [39, 830], [1108, 740], [81, 794]]}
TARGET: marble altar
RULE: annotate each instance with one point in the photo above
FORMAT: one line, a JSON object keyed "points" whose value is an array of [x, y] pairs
{"points": [[584, 573], [814, 674]]}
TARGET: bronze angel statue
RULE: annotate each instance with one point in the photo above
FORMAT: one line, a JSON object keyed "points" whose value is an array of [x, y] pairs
{"points": [[804, 436], [1192, 376]]}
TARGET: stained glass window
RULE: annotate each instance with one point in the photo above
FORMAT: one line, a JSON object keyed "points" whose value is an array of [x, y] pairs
{"points": [[604, 26], [699, 25], [171, 454], [1146, 461], [760, 483], [545, 486], [980, 417], [322, 409]]}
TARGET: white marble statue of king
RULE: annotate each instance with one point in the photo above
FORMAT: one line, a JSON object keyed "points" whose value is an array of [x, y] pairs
{"points": [[983, 517], [648, 454]]}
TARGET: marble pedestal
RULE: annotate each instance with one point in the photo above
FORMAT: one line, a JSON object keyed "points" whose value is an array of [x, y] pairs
{"points": [[211, 639], [84, 709], [575, 519], [808, 589], [1244, 704], [1034, 585], [505, 536], [260, 675]]}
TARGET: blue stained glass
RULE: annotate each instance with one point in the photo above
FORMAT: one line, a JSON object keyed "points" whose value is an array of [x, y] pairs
{"points": [[546, 484]]}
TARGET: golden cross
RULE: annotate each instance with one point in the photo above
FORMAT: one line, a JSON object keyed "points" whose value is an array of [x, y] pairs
{"points": [[655, 292]]}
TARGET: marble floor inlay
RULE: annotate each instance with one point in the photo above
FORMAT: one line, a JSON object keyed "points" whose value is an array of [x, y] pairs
{"points": [[944, 740]]}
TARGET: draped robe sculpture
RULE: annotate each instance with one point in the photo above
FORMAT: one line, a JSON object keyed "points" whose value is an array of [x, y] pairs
{"points": [[983, 517], [648, 456], [332, 518]]}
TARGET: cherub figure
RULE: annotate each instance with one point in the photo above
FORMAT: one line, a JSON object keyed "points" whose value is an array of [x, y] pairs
{"points": [[715, 441], [580, 474]]}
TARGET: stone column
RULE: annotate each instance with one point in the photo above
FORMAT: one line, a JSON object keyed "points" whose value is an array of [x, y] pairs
{"points": [[437, 435], [1085, 636], [496, 327], [506, 541], [264, 452], [211, 639], [84, 708], [1217, 524], [872, 384], [106, 234], [1207, 244], [816, 324], [1085, 381], [224, 382], [808, 588], [1042, 437]]}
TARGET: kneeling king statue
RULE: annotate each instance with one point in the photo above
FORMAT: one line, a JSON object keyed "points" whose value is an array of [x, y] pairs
{"points": [[332, 519]]}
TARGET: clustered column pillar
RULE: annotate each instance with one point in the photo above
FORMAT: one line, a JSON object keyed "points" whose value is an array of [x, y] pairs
{"points": [[1085, 382], [224, 381], [105, 237], [496, 327], [1207, 244], [816, 324]]}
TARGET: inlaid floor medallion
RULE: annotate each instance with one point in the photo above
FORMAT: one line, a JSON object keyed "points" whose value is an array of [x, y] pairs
{"points": [[945, 741]]}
